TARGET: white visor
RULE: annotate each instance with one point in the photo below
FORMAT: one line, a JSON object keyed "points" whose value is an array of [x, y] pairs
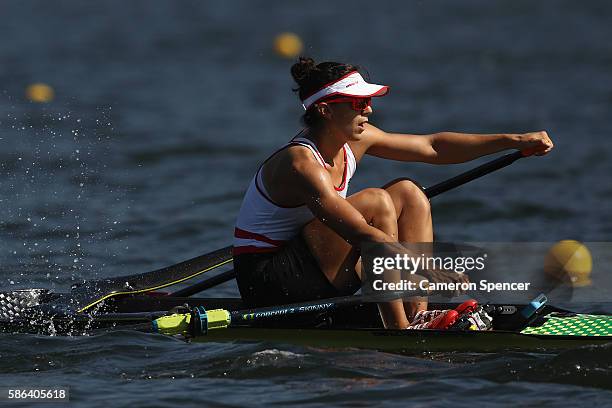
{"points": [[352, 84]]}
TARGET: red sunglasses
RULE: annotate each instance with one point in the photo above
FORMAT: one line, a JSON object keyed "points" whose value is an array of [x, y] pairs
{"points": [[358, 104]]}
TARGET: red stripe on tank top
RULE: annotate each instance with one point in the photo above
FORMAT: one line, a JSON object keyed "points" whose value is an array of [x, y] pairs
{"points": [[242, 234]]}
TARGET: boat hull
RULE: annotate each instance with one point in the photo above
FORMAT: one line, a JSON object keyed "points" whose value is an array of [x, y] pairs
{"points": [[404, 341]]}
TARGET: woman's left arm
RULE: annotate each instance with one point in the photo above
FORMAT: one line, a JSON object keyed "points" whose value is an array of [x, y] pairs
{"points": [[450, 147]]}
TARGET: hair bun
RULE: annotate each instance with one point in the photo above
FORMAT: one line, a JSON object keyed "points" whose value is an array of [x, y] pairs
{"points": [[302, 69]]}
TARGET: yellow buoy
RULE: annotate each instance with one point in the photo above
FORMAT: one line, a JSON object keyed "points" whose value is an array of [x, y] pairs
{"points": [[288, 45], [40, 93], [569, 261]]}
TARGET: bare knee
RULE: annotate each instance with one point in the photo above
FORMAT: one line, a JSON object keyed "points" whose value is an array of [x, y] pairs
{"points": [[379, 203], [410, 195]]}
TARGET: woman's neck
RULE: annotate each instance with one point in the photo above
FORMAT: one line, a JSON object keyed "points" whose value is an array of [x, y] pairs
{"points": [[328, 143]]}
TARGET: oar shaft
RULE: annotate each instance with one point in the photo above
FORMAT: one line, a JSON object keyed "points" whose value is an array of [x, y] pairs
{"points": [[283, 311], [200, 320], [207, 284], [473, 174]]}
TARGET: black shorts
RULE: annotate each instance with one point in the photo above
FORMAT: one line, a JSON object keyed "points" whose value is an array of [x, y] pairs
{"points": [[289, 275]]}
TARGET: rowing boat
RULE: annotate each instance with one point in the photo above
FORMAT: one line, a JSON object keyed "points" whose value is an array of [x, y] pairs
{"points": [[131, 302], [348, 326]]}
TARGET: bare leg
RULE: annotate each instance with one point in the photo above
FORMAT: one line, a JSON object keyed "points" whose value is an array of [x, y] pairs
{"points": [[414, 224], [340, 262]]}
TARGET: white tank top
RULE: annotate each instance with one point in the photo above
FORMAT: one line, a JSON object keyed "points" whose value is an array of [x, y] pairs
{"points": [[262, 225]]}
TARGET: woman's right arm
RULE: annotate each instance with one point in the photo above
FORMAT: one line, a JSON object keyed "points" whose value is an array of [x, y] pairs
{"points": [[315, 188]]}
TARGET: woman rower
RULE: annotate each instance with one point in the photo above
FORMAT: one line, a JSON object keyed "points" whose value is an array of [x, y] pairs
{"points": [[298, 234]]}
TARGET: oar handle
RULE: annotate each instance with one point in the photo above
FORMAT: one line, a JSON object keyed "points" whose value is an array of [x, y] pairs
{"points": [[473, 174]]}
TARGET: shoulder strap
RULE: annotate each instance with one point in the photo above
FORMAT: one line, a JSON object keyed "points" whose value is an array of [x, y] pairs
{"points": [[302, 141]]}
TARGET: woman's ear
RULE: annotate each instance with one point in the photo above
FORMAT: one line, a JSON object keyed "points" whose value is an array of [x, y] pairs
{"points": [[324, 110]]}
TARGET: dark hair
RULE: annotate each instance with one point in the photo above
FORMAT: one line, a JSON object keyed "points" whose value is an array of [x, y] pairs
{"points": [[311, 77]]}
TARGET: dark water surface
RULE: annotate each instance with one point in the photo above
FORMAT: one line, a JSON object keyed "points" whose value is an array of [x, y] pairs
{"points": [[163, 111]]}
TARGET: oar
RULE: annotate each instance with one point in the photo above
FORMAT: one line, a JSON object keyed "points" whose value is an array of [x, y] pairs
{"points": [[430, 192], [200, 320], [189, 322]]}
